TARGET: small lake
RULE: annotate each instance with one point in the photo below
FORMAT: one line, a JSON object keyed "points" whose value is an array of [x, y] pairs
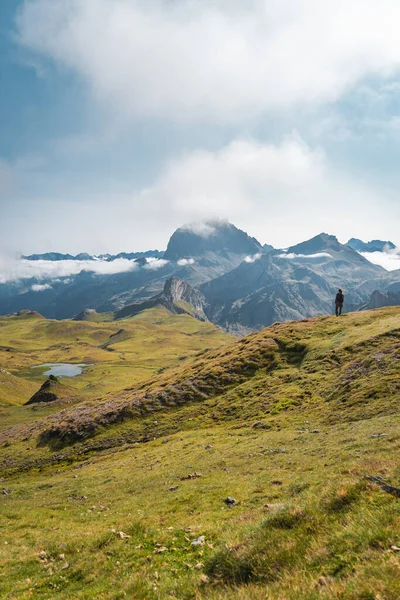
{"points": [[62, 369]]}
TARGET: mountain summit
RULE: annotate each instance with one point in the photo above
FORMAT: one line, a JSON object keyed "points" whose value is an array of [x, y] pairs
{"points": [[372, 246], [211, 236], [320, 243]]}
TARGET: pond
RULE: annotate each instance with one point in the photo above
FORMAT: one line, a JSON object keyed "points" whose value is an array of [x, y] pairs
{"points": [[62, 369]]}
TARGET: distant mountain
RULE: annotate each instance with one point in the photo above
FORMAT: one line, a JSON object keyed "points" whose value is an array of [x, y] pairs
{"points": [[380, 299], [194, 257], [57, 256], [320, 243], [213, 236], [214, 271], [372, 246], [300, 282]]}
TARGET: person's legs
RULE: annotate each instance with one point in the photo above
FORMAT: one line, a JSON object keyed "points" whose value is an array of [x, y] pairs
{"points": [[340, 308], [337, 309]]}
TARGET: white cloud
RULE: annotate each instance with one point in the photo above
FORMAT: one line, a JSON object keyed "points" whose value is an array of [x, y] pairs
{"points": [[41, 288], [204, 229], [12, 269], [280, 193], [389, 260], [184, 262], [154, 264], [253, 259], [293, 256], [219, 61]]}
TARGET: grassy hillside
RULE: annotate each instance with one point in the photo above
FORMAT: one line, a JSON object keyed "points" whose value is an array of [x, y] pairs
{"points": [[14, 390], [118, 353], [290, 422]]}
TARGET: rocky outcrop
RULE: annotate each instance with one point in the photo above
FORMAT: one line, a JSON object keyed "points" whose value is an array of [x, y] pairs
{"points": [[177, 292], [381, 299], [86, 315], [178, 297], [51, 391]]}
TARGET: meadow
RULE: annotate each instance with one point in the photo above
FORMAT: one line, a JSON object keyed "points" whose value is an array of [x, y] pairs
{"points": [[260, 468]]}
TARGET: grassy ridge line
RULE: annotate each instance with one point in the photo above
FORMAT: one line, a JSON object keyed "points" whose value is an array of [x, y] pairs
{"points": [[331, 370], [280, 349]]}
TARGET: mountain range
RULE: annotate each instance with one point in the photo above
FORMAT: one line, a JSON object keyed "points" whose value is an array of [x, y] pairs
{"points": [[214, 271]]}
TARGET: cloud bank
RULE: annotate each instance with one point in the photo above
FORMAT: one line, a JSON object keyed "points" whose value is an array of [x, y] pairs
{"points": [[389, 260], [12, 269], [41, 288], [293, 256], [221, 61], [253, 259]]}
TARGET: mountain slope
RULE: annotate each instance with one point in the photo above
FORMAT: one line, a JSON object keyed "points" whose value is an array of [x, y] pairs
{"points": [[298, 283], [14, 390], [243, 472], [327, 357]]}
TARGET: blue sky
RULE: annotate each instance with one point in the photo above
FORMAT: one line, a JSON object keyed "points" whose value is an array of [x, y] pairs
{"points": [[122, 119]]}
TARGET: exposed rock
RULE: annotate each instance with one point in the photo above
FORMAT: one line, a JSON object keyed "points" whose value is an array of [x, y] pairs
{"points": [[178, 297], [229, 501], [86, 315], [200, 541], [50, 391], [191, 476], [261, 425], [390, 489]]}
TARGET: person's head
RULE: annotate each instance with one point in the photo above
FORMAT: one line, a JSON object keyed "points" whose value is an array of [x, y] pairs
{"points": [[340, 291]]}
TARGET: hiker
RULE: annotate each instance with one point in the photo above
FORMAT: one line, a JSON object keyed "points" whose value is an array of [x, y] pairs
{"points": [[339, 302]]}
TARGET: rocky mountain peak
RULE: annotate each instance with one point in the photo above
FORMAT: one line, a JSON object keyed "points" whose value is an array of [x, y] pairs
{"points": [[319, 243], [372, 246], [176, 290], [210, 236]]}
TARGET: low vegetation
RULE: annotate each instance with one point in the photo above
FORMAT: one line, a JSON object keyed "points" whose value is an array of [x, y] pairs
{"points": [[264, 469]]}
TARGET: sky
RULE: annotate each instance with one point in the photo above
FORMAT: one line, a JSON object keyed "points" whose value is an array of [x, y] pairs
{"points": [[121, 120]]}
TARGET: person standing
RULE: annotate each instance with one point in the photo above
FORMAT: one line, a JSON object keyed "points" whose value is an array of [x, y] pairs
{"points": [[339, 302]]}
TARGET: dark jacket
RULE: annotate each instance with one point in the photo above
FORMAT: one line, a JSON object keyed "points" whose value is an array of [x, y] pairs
{"points": [[339, 298]]}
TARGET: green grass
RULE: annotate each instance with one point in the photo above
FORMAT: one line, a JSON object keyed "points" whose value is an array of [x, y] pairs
{"points": [[152, 341], [324, 394]]}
